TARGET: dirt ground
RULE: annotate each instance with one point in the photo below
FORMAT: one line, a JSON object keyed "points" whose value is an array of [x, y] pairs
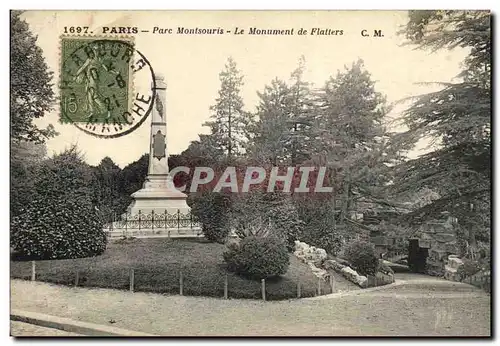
{"points": [[423, 307]]}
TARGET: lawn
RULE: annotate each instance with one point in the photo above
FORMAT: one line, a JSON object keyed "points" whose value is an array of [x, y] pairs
{"points": [[157, 265]]}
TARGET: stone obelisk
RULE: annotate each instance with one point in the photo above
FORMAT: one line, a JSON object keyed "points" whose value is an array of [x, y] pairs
{"points": [[158, 192]]}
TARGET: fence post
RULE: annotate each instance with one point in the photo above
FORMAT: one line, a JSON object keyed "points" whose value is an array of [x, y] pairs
{"points": [[298, 289], [181, 284], [319, 286], [332, 283], [225, 287], [191, 219], [77, 278], [33, 271], [153, 220], [139, 220], [132, 280], [263, 284], [178, 219], [166, 223]]}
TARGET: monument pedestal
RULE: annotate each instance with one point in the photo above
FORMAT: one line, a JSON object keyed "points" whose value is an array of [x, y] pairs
{"points": [[158, 194]]}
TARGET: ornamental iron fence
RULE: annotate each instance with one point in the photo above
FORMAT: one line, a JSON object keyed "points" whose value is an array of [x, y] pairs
{"points": [[156, 220]]}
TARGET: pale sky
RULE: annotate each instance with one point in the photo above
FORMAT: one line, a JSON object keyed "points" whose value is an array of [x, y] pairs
{"points": [[191, 63]]}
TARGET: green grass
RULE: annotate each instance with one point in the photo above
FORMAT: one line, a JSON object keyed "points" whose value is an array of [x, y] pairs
{"points": [[157, 264]]}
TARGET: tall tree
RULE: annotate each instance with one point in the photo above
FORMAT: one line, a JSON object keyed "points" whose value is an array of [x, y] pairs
{"points": [[31, 94], [301, 116], [286, 114], [229, 120], [457, 118], [271, 133], [354, 143]]}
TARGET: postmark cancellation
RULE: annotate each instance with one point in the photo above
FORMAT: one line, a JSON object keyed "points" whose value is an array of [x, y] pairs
{"points": [[98, 93]]}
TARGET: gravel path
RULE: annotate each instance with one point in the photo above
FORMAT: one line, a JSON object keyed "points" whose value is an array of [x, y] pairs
{"points": [[426, 308], [18, 329]]}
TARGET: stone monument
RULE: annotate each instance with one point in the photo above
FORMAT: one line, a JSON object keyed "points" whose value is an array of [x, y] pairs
{"points": [[158, 193]]}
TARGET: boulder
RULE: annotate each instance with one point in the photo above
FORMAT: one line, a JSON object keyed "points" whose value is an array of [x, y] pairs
{"points": [[353, 276], [454, 262], [313, 256], [309, 253], [319, 256], [333, 265]]}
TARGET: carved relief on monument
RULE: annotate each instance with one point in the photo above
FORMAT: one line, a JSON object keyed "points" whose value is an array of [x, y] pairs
{"points": [[159, 146], [159, 105]]}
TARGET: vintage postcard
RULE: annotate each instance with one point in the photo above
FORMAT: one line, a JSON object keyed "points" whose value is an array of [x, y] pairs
{"points": [[250, 173]]}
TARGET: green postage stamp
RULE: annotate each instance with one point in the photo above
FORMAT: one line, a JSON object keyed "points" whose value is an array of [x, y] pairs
{"points": [[95, 79], [97, 84]]}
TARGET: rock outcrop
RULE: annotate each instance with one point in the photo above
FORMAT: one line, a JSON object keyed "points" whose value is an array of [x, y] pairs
{"points": [[317, 260]]}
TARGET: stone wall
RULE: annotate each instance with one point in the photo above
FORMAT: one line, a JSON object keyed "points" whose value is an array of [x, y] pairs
{"points": [[440, 238]]}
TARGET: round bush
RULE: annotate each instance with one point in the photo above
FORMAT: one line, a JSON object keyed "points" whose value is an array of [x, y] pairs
{"points": [[258, 257], [362, 257], [61, 220], [56, 230]]}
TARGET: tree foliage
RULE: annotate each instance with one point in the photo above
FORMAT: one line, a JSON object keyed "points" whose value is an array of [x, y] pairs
{"points": [[271, 132], [24, 161], [285, 116], [229, 120], [110, 198], [31, 94], [362, 256], [457, 118], [301, 115], [354, 143]]}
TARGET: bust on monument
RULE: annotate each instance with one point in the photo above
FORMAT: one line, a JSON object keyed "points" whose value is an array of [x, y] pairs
{"points": [[158, 193]]}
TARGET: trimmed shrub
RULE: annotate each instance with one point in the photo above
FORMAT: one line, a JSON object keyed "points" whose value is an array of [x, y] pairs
{"points": [[257, 257], [213, 210], [57, 229], [60, 221], [362, 257]]}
